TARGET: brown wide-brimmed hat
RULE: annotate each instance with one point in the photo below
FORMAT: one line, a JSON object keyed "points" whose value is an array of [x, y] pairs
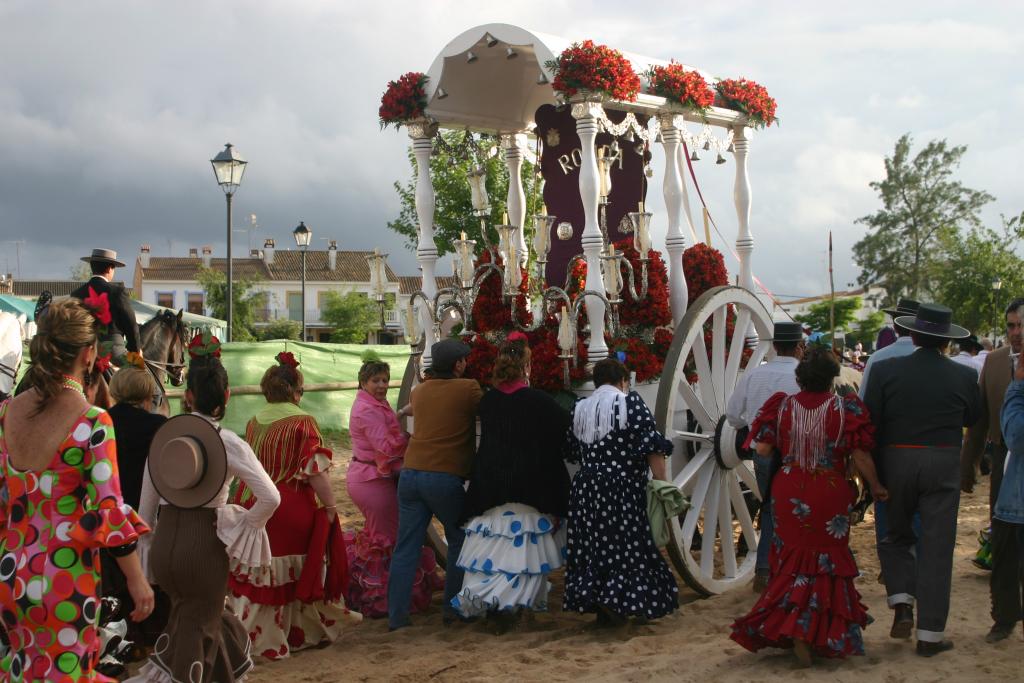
{"points": [[187, 461], [934, 319], [103, 256]]}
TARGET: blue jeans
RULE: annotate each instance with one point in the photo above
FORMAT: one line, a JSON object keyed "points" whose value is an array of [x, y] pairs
{"points": [[421, 496], [764, 471]]}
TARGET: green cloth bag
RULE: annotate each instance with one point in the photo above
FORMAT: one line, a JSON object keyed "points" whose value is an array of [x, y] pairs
{"points": [[664, 501]]}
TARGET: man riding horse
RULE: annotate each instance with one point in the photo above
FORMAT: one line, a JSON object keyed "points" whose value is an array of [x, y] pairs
{"points": [[123, 332]]}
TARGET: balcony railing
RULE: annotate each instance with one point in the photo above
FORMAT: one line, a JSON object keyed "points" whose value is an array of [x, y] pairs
{"points": [[392, 317]]}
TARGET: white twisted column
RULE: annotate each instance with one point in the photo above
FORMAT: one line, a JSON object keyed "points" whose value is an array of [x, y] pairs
{"points": [[587, 125], [516, 201], [741, 196], [675, 192], [422, 135]]}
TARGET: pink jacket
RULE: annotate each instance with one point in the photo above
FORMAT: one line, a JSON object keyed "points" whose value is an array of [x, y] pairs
{"points": [[378, 443]]}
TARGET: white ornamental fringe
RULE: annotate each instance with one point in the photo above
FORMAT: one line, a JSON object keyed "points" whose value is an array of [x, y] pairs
{"points": [[808, 430]]}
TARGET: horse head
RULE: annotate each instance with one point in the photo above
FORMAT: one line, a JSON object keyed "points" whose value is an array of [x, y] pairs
{"points": [[165, 339], [176, 350]]}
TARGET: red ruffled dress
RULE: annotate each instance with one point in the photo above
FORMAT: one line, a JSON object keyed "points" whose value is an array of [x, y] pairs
{"points": [[52, 525], [811, 595], [298, 602]]}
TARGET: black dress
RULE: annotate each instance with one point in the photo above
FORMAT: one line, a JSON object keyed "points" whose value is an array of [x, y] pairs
{"points": [[612, 559], [519, 459]]}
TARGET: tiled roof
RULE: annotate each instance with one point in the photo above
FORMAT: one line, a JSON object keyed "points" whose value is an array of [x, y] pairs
{"points": [[287, 267], [33, 288], [409, 284]]}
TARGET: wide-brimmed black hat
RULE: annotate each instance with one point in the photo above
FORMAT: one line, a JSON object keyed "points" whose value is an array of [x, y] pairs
{"points": [[970, 343], [903, 307], [103, 256], [935, 320], [787, 332]]}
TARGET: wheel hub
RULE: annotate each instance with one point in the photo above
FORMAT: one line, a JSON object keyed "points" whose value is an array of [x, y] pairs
{"points": [[726, 453]]}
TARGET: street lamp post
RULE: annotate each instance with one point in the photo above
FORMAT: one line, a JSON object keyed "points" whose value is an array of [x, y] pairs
{"points": [[303, 236], [228, 168], [997, 284]]}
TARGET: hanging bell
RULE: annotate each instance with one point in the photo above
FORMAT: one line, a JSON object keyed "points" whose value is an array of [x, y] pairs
{"points": [[629, 136], [720, 159], [441, 93], [694, 157], [648, 171], [707, 145], [730, 148]]}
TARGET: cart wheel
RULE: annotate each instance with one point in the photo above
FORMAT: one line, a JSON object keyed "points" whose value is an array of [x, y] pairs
{"points": [[705, 464]]}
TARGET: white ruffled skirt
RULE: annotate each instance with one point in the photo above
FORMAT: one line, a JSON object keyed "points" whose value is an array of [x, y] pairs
{"points": [[508, 553]]}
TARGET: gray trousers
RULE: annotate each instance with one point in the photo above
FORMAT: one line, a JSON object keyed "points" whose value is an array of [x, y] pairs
{"points": [[924, 480]]}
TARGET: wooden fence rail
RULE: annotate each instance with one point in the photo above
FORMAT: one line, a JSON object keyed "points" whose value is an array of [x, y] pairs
{"points": [[254, 389]]}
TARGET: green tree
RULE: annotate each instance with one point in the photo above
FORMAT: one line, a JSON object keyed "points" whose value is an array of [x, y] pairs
{"points": [[281, 329], [80, 272], [352, 315], [972, 263], [246, 302], [817, 316], [923, 207], [866, 331], [454, 207]]}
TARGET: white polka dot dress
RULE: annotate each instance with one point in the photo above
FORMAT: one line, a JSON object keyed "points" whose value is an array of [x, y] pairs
{"points": [[612, 559]]}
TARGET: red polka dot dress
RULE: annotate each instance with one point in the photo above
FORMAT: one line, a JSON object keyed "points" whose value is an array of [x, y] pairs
{"points": [[52, 525]]}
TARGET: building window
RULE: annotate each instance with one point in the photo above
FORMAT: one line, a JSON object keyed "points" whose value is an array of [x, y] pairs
{"points": [[195, 303], [165, 299], [294, 300]]}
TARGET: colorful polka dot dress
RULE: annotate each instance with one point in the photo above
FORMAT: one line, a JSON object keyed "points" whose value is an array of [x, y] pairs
{"points": [[52, 524]]}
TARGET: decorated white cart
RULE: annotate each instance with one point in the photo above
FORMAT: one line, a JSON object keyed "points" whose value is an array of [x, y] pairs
{"points": [[500, 80]]}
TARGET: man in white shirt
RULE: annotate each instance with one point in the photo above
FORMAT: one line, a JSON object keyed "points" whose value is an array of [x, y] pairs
{"points": [[986, 347], [968, 353], [755, 387]]}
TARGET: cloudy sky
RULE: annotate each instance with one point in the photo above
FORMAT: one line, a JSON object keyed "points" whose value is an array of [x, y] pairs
{"points": [[110, 111]]}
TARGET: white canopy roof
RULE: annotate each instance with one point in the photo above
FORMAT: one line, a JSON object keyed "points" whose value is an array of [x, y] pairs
{"points": [[476, 82]]}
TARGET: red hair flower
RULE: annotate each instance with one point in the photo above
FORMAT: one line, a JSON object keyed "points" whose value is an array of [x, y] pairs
{"points": [[204, 344], [287, 359], [99, 306], [102, 362]]}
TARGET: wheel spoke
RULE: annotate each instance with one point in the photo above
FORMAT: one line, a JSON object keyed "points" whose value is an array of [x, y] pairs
{"points": [[718, 356], [694, 404], [696, 503], [707, 541], [681, 479], [704, 378], [748, 478], [739, 504], [692, 436], [736, 347], [725, 531], [758, 353]]}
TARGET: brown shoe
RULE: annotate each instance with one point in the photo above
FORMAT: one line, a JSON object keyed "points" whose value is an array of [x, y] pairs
{"points": [[902, 621], [999, 632]]}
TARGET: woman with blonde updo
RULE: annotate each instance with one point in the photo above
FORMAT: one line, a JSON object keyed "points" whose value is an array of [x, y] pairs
{"points": [[62, 503], [300, 603], [518, 495]]}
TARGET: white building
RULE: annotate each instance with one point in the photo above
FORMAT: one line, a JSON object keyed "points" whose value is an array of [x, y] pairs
{"points": [[172, 282]]}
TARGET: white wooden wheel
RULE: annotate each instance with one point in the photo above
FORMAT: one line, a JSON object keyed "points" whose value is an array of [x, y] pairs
{"points": [[705, 546]]}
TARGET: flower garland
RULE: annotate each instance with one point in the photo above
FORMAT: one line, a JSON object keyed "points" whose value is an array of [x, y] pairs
{"points": [[750, 98], [677, 85], [490, 310], [597, 68], [404, 100]]}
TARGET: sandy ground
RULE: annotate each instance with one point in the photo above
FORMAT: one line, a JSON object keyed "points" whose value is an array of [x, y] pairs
{"points": [[691, 645]]}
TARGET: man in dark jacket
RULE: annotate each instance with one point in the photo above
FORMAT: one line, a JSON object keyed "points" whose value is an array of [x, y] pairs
{"points": [[920, 404], [123, 332]]}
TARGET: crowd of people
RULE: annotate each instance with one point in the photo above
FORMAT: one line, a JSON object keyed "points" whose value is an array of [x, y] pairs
{"points": [[221, 546]]}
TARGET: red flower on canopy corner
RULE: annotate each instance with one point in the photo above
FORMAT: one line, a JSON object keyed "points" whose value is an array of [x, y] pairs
{"points": [[287, 359], [99, 306]]}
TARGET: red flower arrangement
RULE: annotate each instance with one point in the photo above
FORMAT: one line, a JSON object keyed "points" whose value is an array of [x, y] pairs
{"points": [[599, 68], [687, 88], [99, 306], [750, 98], [102, 363], [287, 359], [704, 268], [204, 345], [404, 100], [490, 310], [654, 310]]}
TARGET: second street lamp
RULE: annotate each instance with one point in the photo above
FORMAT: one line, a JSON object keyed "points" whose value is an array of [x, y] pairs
{"points": [[228, 168], [303, 236], [997, 284]]}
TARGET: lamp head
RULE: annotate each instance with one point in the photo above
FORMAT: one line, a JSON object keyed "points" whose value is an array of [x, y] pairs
{"points": [[228, 168], [303, 235]]}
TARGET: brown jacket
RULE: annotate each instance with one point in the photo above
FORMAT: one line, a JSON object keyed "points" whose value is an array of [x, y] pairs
{"points": [[995, 378], [444, 431]]}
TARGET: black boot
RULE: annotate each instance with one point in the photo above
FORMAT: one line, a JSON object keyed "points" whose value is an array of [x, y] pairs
{"points": [[926, 649], [902, 621]]}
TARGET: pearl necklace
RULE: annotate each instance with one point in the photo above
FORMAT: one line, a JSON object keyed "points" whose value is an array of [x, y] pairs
{"points": [[72, 384]]}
